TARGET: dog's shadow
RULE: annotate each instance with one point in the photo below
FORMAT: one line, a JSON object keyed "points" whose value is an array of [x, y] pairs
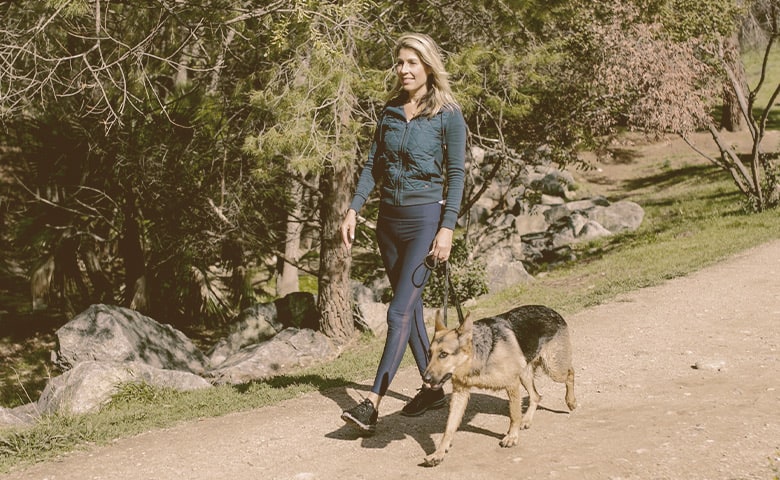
{"points": [[425, 429]]}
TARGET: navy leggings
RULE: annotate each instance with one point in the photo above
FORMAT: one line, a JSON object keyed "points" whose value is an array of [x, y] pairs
{"points": [[405, 235]]}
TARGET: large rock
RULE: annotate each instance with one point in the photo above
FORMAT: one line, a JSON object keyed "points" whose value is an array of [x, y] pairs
{"points": [[504, 269], [90, 385], [114, 334], [619, 216], [534, 220], [289, 350], [23, 415], [254, 325], [371, 316], [557, 212], [262, 321], [555, 183]]}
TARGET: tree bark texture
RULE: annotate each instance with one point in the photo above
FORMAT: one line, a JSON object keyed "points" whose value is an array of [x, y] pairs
{"points": [[287, 281], [334, 300], [132, 253], [732, 117]]}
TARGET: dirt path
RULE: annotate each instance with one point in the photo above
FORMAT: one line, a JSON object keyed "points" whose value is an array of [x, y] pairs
{"points": [[644, 412]]}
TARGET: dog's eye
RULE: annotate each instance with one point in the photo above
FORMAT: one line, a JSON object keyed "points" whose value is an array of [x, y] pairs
{"points": [[443, 354]]}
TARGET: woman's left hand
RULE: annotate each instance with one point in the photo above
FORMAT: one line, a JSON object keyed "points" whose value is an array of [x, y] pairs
{"points": [[442, 245]]}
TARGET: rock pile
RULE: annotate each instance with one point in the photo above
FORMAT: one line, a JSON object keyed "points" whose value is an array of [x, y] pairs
{"points": [[107, 346]]}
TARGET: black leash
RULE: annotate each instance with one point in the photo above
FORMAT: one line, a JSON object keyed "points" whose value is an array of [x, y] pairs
{"points": [[447, 286]]}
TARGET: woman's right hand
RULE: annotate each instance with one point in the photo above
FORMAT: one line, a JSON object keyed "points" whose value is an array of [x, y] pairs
{"points": [[348, 228]]}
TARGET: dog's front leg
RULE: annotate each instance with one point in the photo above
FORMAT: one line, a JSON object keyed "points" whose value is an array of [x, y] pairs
{"points": [[527, 380], [515, 417], [458, 402]]}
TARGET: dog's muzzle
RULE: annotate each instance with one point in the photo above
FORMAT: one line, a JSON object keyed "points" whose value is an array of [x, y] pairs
{"points": [[437, 385]]}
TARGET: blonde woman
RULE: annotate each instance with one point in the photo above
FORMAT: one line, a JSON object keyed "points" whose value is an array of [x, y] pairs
{"points": [[417, 158]]}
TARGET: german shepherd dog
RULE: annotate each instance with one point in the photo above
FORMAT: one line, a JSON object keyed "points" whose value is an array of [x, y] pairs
{"points": [[501, 352]]}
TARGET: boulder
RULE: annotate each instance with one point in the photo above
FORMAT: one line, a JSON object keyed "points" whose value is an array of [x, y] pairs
{"points": [[555, 183], [371, 316], [22, 415], [551, 200], [503, 269], [291, 349], [535, 220], [108, 333], [619, 216], [592, 230], [361, 293], [89, 385], [253, 325]]}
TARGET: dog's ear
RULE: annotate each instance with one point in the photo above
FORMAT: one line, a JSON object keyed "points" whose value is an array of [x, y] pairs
{"points": [[466, 324], [439, 324]]}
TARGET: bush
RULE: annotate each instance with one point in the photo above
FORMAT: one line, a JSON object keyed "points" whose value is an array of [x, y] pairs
{"points": [[468, 278]]}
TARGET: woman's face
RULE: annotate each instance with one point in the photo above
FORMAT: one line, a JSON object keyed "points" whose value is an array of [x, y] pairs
{"points": [[412, 72]]}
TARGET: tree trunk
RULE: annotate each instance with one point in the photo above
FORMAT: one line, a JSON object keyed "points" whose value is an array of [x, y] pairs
{"points": [[732, 117], [287, 282], [131, 250], [335, 300]]}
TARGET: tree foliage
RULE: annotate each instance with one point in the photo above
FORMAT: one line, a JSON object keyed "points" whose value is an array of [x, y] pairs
{"points": [[148, 177], [663, 73]]}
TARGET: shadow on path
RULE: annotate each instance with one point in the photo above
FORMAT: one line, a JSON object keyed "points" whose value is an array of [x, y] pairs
{"points": [[397, 427]]}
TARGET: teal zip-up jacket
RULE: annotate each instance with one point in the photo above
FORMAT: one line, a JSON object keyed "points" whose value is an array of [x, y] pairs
{"points": [[407, 160]]}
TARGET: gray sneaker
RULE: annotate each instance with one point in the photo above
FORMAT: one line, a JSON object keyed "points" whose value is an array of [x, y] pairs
{"points": [[364, 416]]}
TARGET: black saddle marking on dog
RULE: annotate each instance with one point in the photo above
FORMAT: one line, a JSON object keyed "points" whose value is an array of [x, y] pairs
{"points": [[533, 326]]}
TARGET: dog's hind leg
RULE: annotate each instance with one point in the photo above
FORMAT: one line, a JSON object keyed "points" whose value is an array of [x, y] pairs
{"points": [[458, 401], [515, 416], [556, 362], [571, 402], [527, 379]]}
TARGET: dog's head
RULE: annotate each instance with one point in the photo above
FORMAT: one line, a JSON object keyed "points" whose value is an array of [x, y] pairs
{"points": [[450, 349]]}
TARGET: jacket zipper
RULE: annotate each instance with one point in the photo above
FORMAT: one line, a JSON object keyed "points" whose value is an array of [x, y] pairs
{"points": [[402, 154]]}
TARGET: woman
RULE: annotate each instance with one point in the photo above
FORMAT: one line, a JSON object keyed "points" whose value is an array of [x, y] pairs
{"points": [[417, 156]]}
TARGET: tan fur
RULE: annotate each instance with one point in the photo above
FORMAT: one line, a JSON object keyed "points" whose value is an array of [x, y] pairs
{"points": [[452, 354]]}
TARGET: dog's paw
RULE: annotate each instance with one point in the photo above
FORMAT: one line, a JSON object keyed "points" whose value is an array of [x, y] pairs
{"points": [[509, 441], [433, 459]]}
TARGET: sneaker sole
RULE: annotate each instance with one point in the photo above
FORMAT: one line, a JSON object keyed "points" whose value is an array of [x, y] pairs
{"points": [[350, 419], [434, 406]]}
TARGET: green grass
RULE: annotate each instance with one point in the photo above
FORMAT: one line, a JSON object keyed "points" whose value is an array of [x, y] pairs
{"points": [[693, 218], [753, 61]]}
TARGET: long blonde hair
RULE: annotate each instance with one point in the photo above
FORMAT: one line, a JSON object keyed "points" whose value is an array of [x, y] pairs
{"points": [[439, 93]]}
